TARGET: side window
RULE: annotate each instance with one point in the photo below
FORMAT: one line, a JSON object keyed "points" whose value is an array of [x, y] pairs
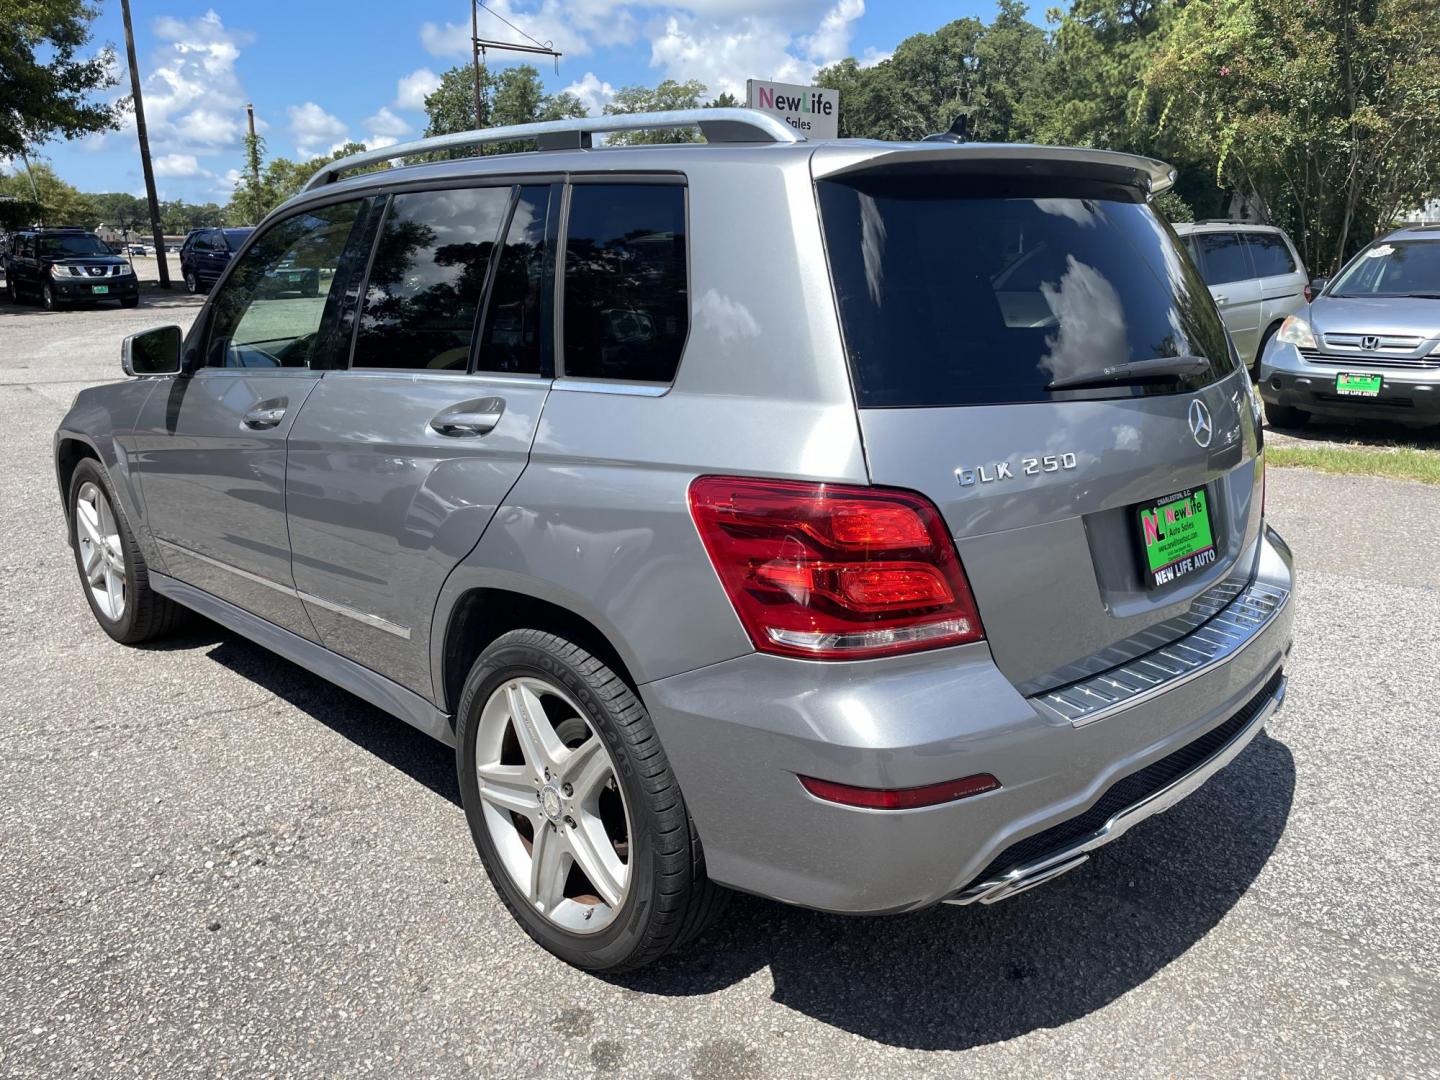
{"points": [[202, 241], [269, 311], [627, 304], [512, 339], [1270, 254], [427, 278], [1223, 258]]}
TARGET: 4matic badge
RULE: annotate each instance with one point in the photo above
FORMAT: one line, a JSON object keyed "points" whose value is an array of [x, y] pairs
{"points": [[1002, 470]]}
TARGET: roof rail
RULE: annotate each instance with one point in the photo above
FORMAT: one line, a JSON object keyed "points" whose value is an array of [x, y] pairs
{"points": [[717, 125]]}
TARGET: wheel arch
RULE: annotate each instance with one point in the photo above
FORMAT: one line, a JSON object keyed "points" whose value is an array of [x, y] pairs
{"points": [[70, 450], [481, 614]]}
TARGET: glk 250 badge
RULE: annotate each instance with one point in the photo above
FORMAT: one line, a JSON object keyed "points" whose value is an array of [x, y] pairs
{"points": [[1001, 470]]}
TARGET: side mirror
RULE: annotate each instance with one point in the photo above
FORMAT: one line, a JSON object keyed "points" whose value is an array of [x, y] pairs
{"points": [[152, 352], [1315, 288]]}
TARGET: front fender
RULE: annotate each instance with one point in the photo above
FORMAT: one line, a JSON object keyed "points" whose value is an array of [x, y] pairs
{"points": [[102, 421]]}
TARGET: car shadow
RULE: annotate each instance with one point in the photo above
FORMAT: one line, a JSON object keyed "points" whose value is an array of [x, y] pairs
{"points": [[943, 979], [1327, 429]]}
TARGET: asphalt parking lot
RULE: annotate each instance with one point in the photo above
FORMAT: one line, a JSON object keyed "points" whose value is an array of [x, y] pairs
{"points": [[213, 862]]}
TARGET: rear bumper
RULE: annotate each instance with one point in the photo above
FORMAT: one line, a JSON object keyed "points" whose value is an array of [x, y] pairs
{"points": [[1407, 395], [739, 732]]}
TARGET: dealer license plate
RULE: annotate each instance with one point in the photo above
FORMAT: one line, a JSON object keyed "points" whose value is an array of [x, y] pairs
{"points": [[99, 290], [1176, 536], [1350, 384]]}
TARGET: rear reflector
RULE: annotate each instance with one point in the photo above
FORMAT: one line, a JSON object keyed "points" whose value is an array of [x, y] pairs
{"points": [[900, 798], [831, 572]]}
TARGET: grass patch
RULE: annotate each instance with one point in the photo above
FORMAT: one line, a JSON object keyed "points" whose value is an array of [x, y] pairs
{"points": [[1395, 462]]}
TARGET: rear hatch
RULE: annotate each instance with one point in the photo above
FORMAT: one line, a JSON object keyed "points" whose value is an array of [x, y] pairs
{"points": [[1037, 355]]}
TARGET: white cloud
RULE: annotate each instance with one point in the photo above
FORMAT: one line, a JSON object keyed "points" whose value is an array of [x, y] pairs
{"points": [[315, 130], [412, 90], [194, 101], [873, 56], [594, 93], [723, 55], [178, 165], [831, 40], [386, 122]]}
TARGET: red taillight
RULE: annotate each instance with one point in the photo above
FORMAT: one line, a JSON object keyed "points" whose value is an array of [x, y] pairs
{"points": [[830, 572], [900, 798]]}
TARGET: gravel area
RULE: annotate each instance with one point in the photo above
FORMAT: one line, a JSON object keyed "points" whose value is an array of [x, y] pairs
{"points": [[213, 862]]}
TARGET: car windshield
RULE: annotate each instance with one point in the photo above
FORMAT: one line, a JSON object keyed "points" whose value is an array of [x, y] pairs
{"points": [[72, 244], [957, 291], [235, 238], [1393, 268]]}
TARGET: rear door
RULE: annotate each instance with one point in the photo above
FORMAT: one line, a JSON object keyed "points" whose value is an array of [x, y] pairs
{"points": [[1281, 279], [962, 300], [1224, 260], [397, 464]]}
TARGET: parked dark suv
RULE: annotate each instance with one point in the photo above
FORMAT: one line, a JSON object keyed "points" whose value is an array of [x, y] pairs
{"points": [[66, 266], [206, 253]]}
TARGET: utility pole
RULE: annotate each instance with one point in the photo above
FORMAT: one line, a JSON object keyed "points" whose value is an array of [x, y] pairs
{"points": [[254, 158], [475, 59], [159, 237]]}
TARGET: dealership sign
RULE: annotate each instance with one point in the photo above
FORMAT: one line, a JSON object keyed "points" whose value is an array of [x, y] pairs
{"points": [[813, 112]]}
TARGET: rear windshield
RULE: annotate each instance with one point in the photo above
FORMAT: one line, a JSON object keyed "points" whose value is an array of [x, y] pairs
{"points": [[1393, 268], [235, 238], [960, 291]]}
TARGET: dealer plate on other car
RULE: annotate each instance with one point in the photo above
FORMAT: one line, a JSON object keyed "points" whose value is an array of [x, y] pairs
{"points": [[1354, 384]]}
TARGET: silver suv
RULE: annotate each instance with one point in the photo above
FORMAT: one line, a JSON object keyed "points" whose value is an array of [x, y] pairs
{"points": [[863, 525], [1368, 347], [1255, 276]]}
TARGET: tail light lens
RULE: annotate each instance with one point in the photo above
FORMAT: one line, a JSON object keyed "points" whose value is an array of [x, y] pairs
{"points": [[830, 572], [900, 798]]}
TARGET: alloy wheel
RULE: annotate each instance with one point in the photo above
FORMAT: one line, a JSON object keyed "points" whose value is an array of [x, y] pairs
{"points": [[552, 804], [102, 559]]}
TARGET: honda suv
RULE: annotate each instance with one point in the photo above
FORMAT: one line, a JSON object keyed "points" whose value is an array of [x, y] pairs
{"points": [[859, 524]]}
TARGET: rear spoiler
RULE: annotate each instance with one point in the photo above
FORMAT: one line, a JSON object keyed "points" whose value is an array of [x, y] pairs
{"points": [[844, 158]]}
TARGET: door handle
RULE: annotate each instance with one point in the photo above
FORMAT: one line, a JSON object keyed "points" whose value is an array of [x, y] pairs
{"points": [[1220, 298], [469, 418], [267, 414]]}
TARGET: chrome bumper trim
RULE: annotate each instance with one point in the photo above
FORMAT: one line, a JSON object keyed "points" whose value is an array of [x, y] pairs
{"points": [[1028, 875], [1225, 634]]}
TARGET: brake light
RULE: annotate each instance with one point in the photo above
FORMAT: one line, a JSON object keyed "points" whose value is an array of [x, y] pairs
{"points": [[831, 572], [900, 798]]}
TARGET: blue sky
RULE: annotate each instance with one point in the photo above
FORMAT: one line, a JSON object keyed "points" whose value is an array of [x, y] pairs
{"points": [[321, 73]]}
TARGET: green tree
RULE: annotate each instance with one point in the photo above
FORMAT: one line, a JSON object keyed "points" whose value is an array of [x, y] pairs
{"points": [[118, 209], [1328, 110], [45, 83], [726, 100], [59, 202], [666, 97], [513, 96]]}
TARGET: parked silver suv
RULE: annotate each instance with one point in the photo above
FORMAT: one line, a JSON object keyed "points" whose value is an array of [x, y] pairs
{"points": [[1368, 347], [1255, 276], [859, 524]]}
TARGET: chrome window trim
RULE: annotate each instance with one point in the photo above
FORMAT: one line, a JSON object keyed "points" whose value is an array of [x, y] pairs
{"points": [[607, 386], [374, 621]]}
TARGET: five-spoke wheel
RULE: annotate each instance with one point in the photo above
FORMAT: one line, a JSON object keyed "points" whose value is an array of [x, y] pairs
{"points": [[102, 561], [552, 804]]}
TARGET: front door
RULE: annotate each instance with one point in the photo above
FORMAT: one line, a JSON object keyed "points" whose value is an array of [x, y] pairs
{"points": [[398, 464], [210, 447]]}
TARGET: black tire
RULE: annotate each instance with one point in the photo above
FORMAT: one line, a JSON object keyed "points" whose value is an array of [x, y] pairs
{"points": [[670, 901], [10, 291], [192, 283], [147, 615], [47, 298], [1285, 416], [130, 301]]}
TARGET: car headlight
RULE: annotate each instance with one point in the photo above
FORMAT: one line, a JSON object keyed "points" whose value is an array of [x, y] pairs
{"points": [[1296, 331], [62, 271]]}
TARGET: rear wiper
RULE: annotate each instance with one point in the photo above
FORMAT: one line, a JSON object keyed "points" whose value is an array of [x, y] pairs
{"points": [[1133, 370]]}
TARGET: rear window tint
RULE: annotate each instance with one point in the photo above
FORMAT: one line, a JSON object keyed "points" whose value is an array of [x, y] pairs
{"points": [[427, 278], [626, 296], [970, 292], [1223, 258], [1270, 254]]}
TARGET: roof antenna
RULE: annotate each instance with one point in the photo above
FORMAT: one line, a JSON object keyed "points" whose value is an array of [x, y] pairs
{"points": [[956, 134]]}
